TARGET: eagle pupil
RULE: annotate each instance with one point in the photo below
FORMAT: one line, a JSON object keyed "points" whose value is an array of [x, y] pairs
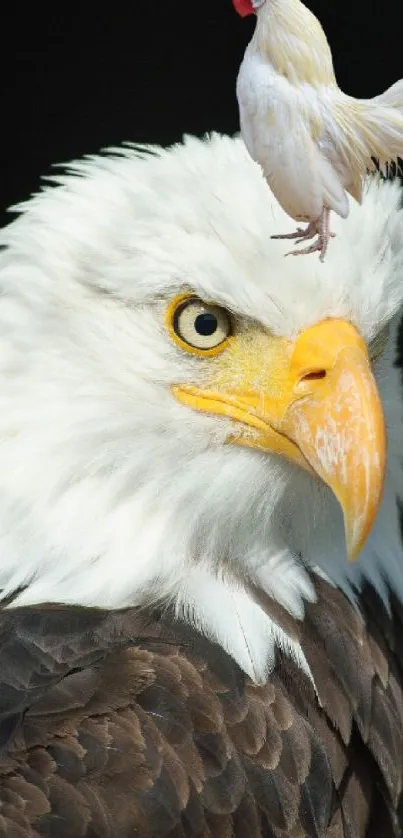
{"points": [[206, 324]]}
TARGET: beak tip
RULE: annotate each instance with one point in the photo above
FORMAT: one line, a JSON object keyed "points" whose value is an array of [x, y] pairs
{"points": [[353, 551], [356, 537]]}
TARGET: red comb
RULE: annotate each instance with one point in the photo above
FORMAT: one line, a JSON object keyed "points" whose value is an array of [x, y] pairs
{"points": [[244, 7]]}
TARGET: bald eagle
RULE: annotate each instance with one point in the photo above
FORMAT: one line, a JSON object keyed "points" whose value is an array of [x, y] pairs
{"points": [[200, 470]]}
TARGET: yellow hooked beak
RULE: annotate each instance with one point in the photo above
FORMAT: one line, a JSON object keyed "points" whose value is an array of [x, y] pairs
{"points": [[313, 401]]}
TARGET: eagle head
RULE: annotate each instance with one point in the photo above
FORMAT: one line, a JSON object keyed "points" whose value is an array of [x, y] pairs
{"points": [[188, 419]]}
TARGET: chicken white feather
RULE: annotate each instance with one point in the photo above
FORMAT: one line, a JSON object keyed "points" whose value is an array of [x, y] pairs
{"points": [[313, 142]]}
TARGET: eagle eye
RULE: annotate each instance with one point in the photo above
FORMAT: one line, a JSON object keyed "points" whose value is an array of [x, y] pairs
{"points": [[198, 327]]}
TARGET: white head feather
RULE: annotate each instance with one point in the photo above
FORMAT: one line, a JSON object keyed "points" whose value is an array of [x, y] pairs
{"points": [[111, 492]]}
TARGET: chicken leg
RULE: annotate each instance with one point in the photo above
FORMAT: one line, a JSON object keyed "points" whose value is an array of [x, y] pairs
{"points": [[319, 227]]}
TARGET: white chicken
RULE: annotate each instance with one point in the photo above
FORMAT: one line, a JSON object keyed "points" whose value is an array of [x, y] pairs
{"points": [[313, 142]]}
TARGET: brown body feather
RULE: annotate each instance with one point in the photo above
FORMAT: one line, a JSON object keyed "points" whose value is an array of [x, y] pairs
{"points": [[123, 724]]}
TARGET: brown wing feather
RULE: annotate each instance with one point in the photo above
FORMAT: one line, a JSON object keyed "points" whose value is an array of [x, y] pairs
{"points": [[167, 739]]}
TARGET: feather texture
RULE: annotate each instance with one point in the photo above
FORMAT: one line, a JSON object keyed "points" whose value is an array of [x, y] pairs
{"points": [[142, 727]]}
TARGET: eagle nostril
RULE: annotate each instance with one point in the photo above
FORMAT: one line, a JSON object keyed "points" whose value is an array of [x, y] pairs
{"points": [[315, 375]]}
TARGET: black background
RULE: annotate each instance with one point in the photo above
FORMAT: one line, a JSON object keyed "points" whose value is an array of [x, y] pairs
{"points": [[77, 79]]}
